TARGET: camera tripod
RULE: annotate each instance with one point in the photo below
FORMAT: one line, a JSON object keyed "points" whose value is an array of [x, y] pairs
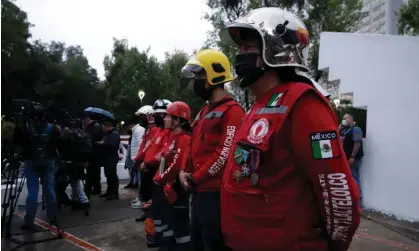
{"points": [[14, 186]]}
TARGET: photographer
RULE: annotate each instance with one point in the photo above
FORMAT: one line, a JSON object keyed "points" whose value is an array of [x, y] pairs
{"points": [[37, 142], [74, 148], [94, 130]]}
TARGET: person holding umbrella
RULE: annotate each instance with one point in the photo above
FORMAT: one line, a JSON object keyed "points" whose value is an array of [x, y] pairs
{"points": [[109, 147], [94, 130]]}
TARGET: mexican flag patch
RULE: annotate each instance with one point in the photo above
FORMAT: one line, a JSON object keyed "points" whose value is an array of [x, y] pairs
{"points": [[325, 145], [274, 100]]}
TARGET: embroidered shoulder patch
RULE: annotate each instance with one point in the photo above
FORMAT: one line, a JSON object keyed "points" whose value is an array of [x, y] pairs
{"points": [[325, 145]]}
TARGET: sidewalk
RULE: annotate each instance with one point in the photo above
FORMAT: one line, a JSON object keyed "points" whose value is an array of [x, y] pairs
{"points": [[111, 226], [372, 236]]}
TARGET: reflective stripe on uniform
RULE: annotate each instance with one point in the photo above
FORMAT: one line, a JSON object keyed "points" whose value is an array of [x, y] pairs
{"points": [[272, 110], [157, 222], [182, 207], [164, 227], [216, 114], [183, 239], [158, 229], [168, 233]]}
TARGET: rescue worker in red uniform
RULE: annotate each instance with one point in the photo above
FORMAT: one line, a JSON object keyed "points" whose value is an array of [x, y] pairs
{"points": [[213, 131], [174, 157], [148, 168], [288, 185]]}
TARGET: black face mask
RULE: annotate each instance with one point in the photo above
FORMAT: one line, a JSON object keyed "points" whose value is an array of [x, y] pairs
{"points": [[200, 90], [143, 122], [247, 70], [159, 121]]}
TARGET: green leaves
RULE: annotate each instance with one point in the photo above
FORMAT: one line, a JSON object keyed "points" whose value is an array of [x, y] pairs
{"points": [[43, 71], [129, 70], [409, 18]]}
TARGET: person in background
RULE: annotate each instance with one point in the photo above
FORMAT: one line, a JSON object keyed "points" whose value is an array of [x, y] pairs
{"points": [[135, 140], [213, 131], [37, 141], [95, 132], [288, 185], [174, 157], [75, 146], [109, 147], [128, 161], [145, 114], [351, 136]]}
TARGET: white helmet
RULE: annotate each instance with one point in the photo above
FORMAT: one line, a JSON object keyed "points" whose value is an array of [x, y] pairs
{"points": [[146, 110], [285, 38], [320, 88], [161, 105]]}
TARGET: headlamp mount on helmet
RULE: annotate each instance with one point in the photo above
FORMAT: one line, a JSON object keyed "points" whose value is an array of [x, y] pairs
{"points": [[160, 105]]}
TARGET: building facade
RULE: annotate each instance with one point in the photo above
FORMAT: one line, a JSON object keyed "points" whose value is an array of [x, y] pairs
{"points": [[381, 16]]}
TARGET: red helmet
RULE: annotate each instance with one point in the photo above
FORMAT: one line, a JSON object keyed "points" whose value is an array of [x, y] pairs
{"points": [[179, 109]]}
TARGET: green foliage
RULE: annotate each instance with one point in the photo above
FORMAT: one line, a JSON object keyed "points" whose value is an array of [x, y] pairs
{"points": [[129, 70], [7, 129], [409, 18], [61, 73], [45, 72]]}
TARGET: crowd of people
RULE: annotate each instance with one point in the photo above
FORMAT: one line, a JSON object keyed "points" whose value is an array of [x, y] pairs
{"points": [[272, 178]]}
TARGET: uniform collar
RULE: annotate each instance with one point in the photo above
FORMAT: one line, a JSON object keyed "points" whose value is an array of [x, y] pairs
{"points": [[265, 97]]}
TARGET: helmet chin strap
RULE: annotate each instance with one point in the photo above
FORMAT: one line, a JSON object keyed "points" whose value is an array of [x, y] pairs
{"points": [[252, 78]]}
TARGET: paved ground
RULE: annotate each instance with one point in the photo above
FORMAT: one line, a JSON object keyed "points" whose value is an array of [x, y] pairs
{"points": [[110, 226]]}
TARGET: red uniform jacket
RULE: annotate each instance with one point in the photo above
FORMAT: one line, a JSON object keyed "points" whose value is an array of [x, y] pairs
{"points": [[174, 157], [288, 185], [212, 137], [153, 153], [148, 136]]}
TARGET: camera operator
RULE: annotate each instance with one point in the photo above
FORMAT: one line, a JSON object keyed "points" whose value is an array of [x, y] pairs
{"points": [[74, 148], [94, 130], [37, 142]]}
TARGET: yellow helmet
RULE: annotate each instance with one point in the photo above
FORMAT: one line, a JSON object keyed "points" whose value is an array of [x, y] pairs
{"points": [[213, 62]]}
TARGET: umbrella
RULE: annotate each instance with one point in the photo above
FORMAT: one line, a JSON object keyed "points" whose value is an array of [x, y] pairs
{"points": [[99, 111]]}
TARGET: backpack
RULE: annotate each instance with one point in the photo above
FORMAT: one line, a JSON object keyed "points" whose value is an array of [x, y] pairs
{"points": [[39, 142]]}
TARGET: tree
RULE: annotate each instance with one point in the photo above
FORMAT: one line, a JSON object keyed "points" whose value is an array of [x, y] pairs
{"points": [[179, 87], [318, 15], [14, 34], [409, 18], [14, 39], [128, 70]]}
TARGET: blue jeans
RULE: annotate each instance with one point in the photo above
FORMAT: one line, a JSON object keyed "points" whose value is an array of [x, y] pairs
{"points": [[77, 192], [32, 182], [134, 176], [130, 165], [355, 173]]}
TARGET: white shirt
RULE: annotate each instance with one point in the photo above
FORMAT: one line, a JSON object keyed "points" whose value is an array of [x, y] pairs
{"points": [[136, 139]]}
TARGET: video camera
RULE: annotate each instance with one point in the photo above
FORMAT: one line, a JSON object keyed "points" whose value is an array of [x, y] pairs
{"points": [[24, 110]]}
